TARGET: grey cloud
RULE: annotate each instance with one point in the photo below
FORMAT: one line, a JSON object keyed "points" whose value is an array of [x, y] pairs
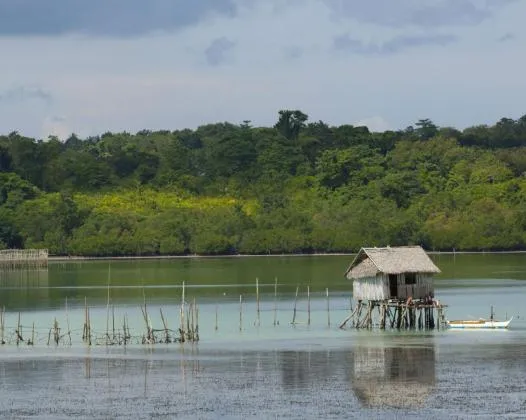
{"points": [[24, 93], [400, 13], [506, 37], [217, 51], [104, 17], [392, 46], [293, 52]]}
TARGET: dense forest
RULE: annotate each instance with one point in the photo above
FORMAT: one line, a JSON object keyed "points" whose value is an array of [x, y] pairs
{"points": [[297, 187]]}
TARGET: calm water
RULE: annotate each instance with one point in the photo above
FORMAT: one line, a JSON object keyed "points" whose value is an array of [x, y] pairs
{"points": [[241, 370]]}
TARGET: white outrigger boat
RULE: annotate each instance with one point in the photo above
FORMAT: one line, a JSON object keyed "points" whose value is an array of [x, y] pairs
{"points": [[488, 324]]}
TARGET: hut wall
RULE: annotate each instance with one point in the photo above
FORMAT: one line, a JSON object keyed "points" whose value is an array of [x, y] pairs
{"points": [[371, 288], [422, 288]]}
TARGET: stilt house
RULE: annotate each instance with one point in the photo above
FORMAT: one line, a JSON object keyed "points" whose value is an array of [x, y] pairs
{"points": [[392, 273]]}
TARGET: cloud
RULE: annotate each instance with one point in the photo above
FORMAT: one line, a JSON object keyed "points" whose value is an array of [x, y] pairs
{"points": [[401, 13], [24, 93], [216, 53], [56, 126], [506, 37], [374, 124], [104, 17], [395, 45], [293, 52]]}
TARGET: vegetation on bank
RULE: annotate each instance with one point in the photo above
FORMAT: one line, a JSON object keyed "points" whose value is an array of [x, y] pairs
{"points": [[295, 187]]}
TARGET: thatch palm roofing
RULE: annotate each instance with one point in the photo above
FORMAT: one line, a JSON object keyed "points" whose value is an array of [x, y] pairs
{"points": [[390, 260]]}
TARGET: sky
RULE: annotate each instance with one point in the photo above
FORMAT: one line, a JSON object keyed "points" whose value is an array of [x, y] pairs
{"points": [[88, 67]]}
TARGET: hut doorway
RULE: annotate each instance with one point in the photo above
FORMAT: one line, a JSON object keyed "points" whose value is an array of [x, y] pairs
{"points": [[393, 285]]}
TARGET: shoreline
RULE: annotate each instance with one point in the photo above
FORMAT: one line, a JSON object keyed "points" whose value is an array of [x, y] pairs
{"points": [[57, 258]]}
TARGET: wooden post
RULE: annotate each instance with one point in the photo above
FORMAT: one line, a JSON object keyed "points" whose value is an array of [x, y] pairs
{"points": [[295, 302], [2, 324], [67, 321], [85, 328], [358, 314], [113, 337], [216, 326], [308, 305], [351, 316], [196, 320], [240, 312], [258, 319], [125, 337], [32, 335], [18, 332], [275, 300], [108, 306], [328, 308], [165, 325], [181, 327]]}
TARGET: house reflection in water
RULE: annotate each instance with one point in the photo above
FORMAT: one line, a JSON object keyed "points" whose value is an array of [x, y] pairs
{"points": [[401, 377]]}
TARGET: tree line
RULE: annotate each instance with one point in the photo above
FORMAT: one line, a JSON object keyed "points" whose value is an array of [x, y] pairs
{"points": [[298, 186]]}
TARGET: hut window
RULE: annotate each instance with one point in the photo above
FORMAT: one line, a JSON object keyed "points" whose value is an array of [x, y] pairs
{"points": [[410, 278]]}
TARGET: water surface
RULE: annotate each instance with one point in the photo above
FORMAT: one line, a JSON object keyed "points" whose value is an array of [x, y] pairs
{"points": [[242, 368]]}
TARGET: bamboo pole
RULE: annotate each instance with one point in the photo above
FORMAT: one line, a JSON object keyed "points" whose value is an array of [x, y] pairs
{"points": [[275, 300], [67, 321], [18, 332], [85, 328], [308, 305], [258, 313], [217, 317], [295, 302], [240, 312], [196, 320], [165, 325], [2, 324], [328, 308], [108, 307], [181, 328]]}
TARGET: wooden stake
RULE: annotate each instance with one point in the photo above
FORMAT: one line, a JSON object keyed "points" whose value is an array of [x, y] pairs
{"points": [[67, 321], [18, 332], [240, 312], [108, 307], [295, 302], [308, 305], [166, 334], [275, 300], [258, 319], [2, 324], [217, 317], [328, 308]]}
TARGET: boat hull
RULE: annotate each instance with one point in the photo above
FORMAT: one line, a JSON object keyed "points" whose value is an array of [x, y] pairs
{"points": [[481, 324]]}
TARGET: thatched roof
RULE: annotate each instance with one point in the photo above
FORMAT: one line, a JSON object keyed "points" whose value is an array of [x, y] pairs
{"points": [[390, 260]]}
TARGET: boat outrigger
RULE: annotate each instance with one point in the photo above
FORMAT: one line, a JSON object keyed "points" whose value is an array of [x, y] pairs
{"points": [[480, 323]]}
